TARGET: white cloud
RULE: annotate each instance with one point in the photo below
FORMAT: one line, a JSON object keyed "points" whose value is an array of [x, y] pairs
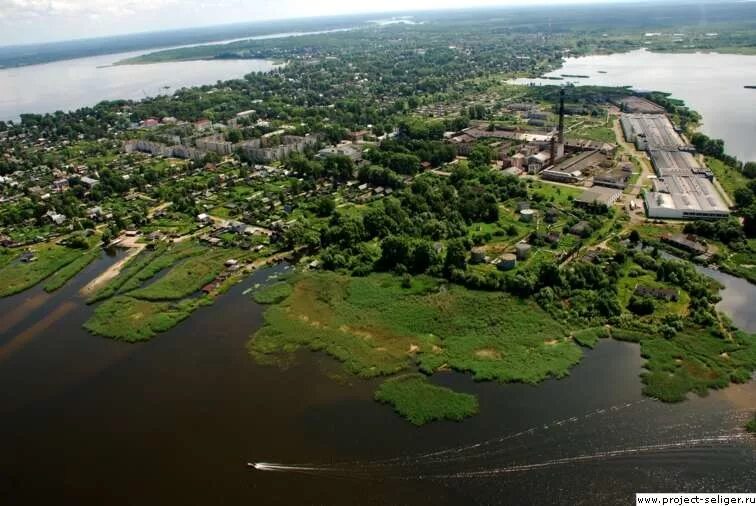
{"points": [[23, 21], [63, 8]]}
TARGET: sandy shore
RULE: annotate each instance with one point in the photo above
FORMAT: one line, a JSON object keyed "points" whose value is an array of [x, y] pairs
{"points": [[115, 269]]}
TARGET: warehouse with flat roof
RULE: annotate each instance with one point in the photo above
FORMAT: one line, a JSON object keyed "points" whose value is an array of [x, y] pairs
{"points": [[684, 188], [673, 163], [651, 132], [685, 198]]}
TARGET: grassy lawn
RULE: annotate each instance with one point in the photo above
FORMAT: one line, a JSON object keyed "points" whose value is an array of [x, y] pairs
{"points": [[599, 131], [165, 257], [420, 402], [7, 256], [555, 193], [134, 266]]}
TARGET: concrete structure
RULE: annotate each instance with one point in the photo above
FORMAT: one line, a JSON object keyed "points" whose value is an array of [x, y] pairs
{"points": [[684, 188], [343, 149], [685, 197], [215, 143], [688, 243], [160, 149], [264, 150], [642, 105], [477, 256], [599, 195], [538, 162], [562, 177], [523, 250], [506, 262], [651, 132], [518, 161], [527, 215], [89, 181]]}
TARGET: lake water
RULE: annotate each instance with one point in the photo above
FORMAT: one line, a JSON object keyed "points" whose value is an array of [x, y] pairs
{"points": [[88, 420], [710, 83], [71, 84]]}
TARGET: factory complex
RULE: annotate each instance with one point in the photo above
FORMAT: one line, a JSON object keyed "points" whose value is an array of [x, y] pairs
{"points": [[684, 187]]}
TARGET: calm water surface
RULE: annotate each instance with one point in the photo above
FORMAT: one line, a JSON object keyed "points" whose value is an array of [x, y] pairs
{"points": [[173, 421], [71, 84], [710, 83]]}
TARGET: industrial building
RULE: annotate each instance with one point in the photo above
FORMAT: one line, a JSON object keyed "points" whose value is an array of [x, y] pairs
{"points": [[651, 132], [677, 163], [684, 188], [685, 197], [571, 169], [599, 195], [640, 104]]}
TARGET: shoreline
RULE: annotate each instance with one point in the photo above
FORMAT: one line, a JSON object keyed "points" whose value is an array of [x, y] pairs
{"points": [[114, 270]]}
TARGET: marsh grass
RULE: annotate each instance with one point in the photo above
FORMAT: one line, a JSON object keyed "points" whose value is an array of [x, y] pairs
{"points": [[273, 294], [590, 337], [65, 274], [420, 402], [185, 277], [375, 326], [695, 360], [17, 276], [128, 319]]}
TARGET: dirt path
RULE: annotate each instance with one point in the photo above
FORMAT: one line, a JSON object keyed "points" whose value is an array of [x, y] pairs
{"points": [[115, 269]]}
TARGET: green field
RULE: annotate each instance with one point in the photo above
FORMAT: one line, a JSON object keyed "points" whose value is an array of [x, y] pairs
{"points": [[420, 402]]}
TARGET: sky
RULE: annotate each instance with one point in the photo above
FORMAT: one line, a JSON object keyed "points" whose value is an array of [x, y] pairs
{"points": [[28, 21]]}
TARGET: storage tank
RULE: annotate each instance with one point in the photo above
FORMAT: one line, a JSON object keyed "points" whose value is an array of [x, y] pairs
{"points": [[523, 250], [477, 256], [507, 262], [527, 215]]}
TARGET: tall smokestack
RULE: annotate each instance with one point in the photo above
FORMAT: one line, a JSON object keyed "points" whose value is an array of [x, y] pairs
{"points": [[561, 116]]}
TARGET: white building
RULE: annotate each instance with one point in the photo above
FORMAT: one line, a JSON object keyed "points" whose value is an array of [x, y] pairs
{"points": [[685, 197]]}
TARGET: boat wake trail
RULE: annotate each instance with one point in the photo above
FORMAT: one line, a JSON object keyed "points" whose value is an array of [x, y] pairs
{"points": [[689, 443], [499, 455], [301, 469], [427, 474]]}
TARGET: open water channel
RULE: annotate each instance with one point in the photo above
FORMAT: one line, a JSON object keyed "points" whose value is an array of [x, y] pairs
{"points": [[87, 420]]}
